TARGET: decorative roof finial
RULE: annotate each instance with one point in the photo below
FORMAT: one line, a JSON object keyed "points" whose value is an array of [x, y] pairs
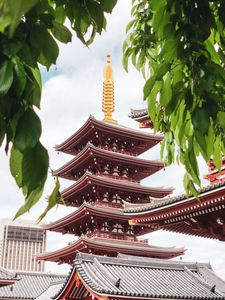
{"points": [[108, 104]]}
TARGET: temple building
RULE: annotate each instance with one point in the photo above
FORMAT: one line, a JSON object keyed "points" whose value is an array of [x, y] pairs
{"points": [[22, 285], [109, 260], [204, 217], [6, 277], [107, 172], [136, 278]]}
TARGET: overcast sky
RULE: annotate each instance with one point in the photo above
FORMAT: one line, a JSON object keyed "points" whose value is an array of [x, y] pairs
{"points": [[71, 92]]}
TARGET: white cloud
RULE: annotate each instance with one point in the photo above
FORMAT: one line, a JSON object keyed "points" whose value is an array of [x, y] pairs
{"points": [[70, 95]]}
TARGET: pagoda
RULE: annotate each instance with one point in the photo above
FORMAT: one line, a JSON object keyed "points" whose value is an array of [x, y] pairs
{"points": [[107, 173]]}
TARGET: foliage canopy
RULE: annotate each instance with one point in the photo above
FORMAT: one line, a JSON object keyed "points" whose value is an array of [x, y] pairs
{"points": [[29, 31], [179, 46]]}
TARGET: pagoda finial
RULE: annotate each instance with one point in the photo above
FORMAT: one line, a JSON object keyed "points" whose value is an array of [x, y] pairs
{"points": [[108, 104]]}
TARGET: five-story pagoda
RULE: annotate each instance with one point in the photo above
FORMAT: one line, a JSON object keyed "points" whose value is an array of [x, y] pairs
{"points": [[107, 172]]}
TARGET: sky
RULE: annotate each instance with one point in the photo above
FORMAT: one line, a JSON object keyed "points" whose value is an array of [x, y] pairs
{"points": [[71, 92]]}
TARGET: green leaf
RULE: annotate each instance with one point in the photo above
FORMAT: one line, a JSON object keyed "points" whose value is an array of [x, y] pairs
{"points": [[35, 167], [11, 48], [166, 93], [2, 129], [36, 88], [60, 14], [49, 51], [20, 77], [16, 166], [37, 75], [186, 181], [162, 70], [129, 25], [148, 86], [152, 101], [30, 201], [53, 199], [96, 14], [221, 119], [193, 190], [194, 171], [16, 10], [201, 140], [156, 4], [217, 155], [108, 5], [200, 120], [61, 33], [158, 17], [6, 76], [210, 139], [28, 131]]}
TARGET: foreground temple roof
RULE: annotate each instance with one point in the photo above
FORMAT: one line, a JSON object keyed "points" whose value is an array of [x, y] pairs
{"points": [[204, 217], [29, 285], [92, 128], [129, 277], [52, 290], [110, 246], [7, 277]]}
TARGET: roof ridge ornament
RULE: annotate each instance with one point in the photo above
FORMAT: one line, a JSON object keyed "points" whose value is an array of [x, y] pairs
{"points": [[108, 103]]}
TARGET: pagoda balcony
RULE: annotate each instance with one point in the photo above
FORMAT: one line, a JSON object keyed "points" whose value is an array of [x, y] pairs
{"points": [[91, 188], [110, 136], [98, 221], [110, 164]]}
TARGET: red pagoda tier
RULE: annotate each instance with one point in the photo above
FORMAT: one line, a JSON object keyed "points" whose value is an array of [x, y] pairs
{"points": [[107, 172], [111, 137]]}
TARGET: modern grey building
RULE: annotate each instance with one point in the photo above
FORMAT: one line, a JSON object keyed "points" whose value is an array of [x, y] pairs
{"points": [[20, 242]]}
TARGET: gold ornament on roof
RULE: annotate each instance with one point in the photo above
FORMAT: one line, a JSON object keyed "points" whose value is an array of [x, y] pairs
{"points": [[108, 105]]}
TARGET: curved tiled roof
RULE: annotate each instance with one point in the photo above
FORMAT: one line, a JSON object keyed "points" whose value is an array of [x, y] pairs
{"points": [[51, 291], [114, 183], [118, 130], [158, 203], [29, 285], [112, 245], [80, 213], [112, 155], [6, 274], [136, 113], [134, 277], [7, 277]]}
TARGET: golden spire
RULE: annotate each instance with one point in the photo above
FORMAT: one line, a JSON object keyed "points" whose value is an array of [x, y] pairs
{"points": [[108, 93]]}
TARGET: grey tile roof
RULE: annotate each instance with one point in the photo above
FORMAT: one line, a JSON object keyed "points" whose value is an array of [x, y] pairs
{"points": [[135, 277], [51, 291], [29, 285], [157, 203], [6, 275], [135, 113]]}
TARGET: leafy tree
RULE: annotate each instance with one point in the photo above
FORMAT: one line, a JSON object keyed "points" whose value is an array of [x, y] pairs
{"points": [[179, 46], [29, 31]]}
